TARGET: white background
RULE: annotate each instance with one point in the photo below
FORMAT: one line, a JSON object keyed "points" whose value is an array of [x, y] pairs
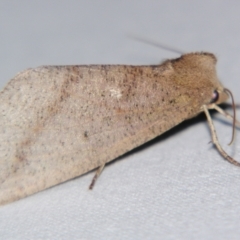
{"points": [[176, 187]]}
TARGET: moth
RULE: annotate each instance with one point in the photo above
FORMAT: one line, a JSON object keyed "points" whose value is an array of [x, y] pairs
{"points": [[59, 122]]}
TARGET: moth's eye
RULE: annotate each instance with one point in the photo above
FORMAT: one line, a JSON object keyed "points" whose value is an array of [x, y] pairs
{"points": [[215, 96]]}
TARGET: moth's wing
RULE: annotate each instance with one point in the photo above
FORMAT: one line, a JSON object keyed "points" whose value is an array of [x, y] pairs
{"points": [[57, 123]]}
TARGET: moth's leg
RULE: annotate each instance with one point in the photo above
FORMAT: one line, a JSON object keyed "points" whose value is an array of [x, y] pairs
{"points": [[97, 174], [226, 114], [215, 139], [233, 118]]}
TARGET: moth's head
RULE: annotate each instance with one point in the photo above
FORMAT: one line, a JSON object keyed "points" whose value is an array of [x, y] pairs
{"points": [[219, 96]]}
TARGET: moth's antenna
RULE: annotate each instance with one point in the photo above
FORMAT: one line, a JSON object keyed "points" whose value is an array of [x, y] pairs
{"points": [[234, 113], [156, 44]]}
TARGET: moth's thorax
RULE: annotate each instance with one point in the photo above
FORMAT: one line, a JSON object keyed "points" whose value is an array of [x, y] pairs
{"points": [[196, 74]]}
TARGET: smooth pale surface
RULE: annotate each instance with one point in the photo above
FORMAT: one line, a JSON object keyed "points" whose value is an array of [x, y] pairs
{"points": [[175, 188]]}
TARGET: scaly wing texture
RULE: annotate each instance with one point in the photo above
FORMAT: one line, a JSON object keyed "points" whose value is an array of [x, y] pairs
{"points": [[57, 123]]}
